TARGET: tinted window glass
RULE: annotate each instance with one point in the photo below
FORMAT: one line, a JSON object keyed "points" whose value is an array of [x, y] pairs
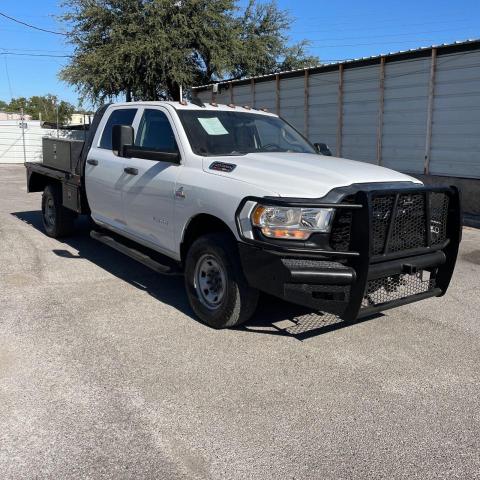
{"points": [[155, 132], [237, 133], [118, 117]]}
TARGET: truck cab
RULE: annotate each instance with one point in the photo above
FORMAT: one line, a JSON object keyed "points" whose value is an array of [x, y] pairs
{"points": [[241, 202]]}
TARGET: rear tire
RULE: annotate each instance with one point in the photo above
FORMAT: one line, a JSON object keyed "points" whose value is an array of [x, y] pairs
{"points": [[216, 286], [57, 220]]}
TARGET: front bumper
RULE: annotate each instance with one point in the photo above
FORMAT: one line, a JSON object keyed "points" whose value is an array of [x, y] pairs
{"points": [[364, 279]]}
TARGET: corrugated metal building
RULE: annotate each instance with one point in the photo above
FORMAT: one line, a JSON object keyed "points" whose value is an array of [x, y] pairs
{"points": [[417, 111]]}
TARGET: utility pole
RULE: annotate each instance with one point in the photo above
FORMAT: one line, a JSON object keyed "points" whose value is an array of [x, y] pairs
{"points": [[22, 126], [55, 104]]}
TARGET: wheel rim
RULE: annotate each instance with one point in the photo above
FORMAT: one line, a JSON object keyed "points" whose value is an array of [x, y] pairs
{"points": [[49, 213], [209, 281]]}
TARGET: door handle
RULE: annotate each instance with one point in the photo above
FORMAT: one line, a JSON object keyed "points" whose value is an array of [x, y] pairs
{"points": [[91, 161], [131, 171]]}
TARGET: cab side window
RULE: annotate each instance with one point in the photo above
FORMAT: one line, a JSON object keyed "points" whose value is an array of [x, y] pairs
{"points": [[155, 132], [123, 116]]}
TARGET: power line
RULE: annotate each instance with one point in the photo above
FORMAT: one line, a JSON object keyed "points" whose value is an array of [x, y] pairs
{"points": [[35, 55], [8, 78], [31, 26], [380, 22], [34, 50], [388, 42], [380, 36]]}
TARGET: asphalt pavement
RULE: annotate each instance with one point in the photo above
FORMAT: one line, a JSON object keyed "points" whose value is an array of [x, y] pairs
{"points": [[106, 374]]}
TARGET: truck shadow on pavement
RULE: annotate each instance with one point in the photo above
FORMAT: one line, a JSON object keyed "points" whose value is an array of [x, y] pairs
{"points": [[273, 316]]}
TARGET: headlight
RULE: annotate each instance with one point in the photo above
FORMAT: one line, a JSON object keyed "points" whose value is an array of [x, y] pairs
{"points": [[291, 222]]}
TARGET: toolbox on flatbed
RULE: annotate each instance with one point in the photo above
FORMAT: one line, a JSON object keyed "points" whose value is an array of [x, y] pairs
{"points": [[61, 154]]}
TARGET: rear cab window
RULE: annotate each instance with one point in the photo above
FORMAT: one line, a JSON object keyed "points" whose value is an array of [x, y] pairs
{"points": [[120, 116]]}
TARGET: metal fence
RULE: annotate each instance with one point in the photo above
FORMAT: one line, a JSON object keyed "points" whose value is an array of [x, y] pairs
{"points": [[415, 111], [21, 140]]}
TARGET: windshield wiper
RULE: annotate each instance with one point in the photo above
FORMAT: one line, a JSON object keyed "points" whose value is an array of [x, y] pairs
{"points": [[224, 154], [235, 152], [268, 150]]}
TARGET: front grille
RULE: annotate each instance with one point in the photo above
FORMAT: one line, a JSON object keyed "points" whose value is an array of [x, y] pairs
{"points": [[341, 227], [398, 224], [439, 203], [382, 213], [396, 287], [401, 223]]}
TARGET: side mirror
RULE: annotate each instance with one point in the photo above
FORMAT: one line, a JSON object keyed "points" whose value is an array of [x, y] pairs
{"points": [[122, 136], [323, 149]]}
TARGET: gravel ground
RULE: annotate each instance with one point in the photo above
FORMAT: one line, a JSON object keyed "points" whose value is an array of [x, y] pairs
{"points": [[104, 373]]}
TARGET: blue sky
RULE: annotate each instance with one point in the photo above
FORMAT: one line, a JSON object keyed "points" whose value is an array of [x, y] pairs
{"points": [[338, 30]]}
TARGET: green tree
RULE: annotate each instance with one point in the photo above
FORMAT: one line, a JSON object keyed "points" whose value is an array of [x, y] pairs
{"points": [[44, 107], [262, 43], [146, 49], [3, 105], [47, 106], [16, 105]]}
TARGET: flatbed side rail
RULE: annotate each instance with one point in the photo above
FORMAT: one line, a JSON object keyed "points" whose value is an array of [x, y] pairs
{"points": [[73, 194], [38, 168]]}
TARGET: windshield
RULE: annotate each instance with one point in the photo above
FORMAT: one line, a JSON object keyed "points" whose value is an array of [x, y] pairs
{"points": [[214, 133]]}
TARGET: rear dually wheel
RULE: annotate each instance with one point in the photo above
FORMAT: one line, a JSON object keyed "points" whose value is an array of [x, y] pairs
{"points": [[57, 220]]}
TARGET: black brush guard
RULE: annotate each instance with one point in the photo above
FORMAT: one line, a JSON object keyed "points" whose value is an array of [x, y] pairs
{"points": [[388, 247]]}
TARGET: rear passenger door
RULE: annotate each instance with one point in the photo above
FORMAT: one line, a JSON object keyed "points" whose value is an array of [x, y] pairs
{"points": [[149, 192], [104, 171]]}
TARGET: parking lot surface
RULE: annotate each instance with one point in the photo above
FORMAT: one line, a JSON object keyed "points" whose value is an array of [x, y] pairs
{"points": [[104, 373]]}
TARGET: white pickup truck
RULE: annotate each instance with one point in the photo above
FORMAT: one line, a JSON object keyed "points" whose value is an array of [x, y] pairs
{"points": [[239, 202]]}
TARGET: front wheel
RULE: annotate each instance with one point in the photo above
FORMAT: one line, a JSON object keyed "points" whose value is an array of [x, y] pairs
{"points": [[216, 286], [57, 220]]}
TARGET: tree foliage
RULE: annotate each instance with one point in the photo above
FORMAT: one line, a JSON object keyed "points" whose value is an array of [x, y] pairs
{"points": [[145, 49], [41, 106]]}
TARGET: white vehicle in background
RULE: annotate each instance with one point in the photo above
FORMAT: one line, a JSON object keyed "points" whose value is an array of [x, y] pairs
{"points": [[239, 202]]}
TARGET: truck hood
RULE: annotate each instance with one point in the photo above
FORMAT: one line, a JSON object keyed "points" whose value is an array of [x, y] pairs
{"points": [[302, 174]]}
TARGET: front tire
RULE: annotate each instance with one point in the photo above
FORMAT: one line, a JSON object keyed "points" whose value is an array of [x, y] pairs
{"points": [[57, 220], [216, 286]]}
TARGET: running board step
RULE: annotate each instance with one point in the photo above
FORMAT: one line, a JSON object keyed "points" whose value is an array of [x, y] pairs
{"points": [[137, 255]]}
